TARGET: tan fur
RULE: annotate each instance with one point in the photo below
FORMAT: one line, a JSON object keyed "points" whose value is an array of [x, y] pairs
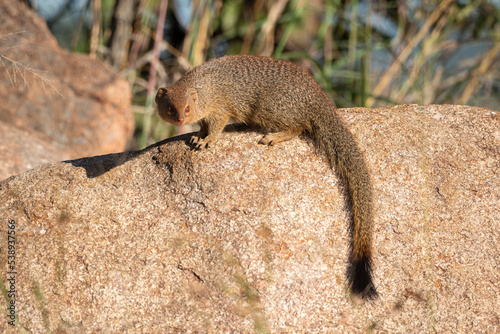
{"points": [[284, 99]]}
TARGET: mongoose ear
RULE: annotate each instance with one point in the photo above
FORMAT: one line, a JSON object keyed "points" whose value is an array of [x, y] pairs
{"points": [[192, 95]]}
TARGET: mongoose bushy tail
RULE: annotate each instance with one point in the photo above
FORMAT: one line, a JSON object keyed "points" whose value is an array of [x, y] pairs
{"points": [[343, 154], [285, 100]]}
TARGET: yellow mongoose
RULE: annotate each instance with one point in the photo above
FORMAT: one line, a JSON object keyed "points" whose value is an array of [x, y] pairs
{"points": [[285, 100]]}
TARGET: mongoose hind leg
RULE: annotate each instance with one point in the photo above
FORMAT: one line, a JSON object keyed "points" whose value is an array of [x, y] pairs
{"points": [[274, 138]]}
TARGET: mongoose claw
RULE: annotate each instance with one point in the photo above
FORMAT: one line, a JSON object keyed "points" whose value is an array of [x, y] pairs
{"points": [[194, 140], [201, 144]]}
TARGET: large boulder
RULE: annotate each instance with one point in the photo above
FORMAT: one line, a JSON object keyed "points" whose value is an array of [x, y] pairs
{"points": [[245, 238], [21, 150], [77, 105]]}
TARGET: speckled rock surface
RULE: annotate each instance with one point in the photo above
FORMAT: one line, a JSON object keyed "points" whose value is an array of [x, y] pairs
{"points": [[245, 238]]}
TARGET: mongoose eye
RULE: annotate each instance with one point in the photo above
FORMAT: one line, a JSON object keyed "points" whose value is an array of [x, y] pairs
{"points": [[187, 110]]}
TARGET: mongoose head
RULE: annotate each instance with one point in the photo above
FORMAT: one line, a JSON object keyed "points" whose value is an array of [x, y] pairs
{"points": [[177, 105]]}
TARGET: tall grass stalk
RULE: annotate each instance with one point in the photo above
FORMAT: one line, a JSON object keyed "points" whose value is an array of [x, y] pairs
{"points": [[152, 74]]}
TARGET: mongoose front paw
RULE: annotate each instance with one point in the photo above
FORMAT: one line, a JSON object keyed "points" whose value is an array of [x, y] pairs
{"points": [[201, 144]]}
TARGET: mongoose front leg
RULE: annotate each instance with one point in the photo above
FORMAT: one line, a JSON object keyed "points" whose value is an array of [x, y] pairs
{"points": [[274, 138], [211, 128], [202, 133]]}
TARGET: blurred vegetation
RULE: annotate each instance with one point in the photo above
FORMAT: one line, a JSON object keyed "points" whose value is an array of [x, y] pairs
{"points": [[363, 53]]}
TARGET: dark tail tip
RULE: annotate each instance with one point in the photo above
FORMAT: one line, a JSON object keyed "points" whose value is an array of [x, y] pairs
{"points": [[360, 279]]}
